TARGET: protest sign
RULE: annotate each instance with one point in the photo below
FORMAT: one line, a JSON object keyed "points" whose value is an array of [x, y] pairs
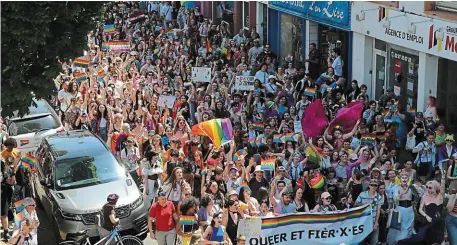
{"points": [[343, 227], [166, 101], [250, 227], [297, 127], [244, 83], [201, 74]]}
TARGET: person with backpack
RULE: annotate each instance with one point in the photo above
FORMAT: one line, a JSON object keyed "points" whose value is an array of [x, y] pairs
{"points": [[130, 156], [107, 217]]}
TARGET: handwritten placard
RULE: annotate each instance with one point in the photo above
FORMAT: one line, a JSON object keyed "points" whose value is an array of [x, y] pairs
{"points": [[244, 83], [297, 127], [166, 101], [250, 227], [201, 74]]}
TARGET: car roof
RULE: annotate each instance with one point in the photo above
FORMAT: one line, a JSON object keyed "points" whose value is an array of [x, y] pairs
{"points": [[42, 108], [73, 144]]}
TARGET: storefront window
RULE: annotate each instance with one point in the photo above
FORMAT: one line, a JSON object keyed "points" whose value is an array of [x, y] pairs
{"points": [[446, 94], [331, 38], [291, 37], [403, 77]]}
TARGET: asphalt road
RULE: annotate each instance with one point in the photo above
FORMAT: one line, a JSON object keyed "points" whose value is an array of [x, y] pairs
{"points": [[46, 235]]}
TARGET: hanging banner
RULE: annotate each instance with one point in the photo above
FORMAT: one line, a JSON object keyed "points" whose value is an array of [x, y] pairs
{"points": [[344, 227]]}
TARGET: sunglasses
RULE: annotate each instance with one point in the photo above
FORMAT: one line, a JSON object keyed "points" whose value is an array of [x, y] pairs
{"points": [[374, 185], [429, 187], [326, 199], [449, 141]]}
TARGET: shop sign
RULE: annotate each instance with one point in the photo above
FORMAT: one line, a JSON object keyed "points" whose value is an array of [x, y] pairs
{"points": [[424, 34], [332, 13]]}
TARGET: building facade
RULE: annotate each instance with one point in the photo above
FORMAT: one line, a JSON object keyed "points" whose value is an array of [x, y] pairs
{"points": [[407, 47], [294, 25]]}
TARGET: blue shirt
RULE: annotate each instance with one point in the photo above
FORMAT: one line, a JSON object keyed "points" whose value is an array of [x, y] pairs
{"points": [[338, 66], [376, 201], [262, 76]]}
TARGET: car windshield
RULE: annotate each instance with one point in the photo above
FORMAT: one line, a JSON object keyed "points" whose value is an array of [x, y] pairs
{"points": [[87, 171], [32, 124]]}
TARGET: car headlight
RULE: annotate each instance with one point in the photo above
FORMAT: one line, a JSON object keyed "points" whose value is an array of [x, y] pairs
{"points": [[69, 216], [136, 203]]}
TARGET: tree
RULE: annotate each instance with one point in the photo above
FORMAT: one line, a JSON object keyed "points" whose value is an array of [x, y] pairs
{"points": [[34, 34]]}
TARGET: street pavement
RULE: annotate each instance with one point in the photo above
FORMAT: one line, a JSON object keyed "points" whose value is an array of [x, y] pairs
{"points": [[46, 235]]}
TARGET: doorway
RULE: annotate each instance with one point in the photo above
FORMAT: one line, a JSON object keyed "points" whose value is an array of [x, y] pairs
{"points": [[379, 78]]}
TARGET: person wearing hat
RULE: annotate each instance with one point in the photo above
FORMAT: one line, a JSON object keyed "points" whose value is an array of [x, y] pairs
{"points": [[325, 204], [82, 122], [232, 178], [28, 229], [281, 176], [258, 181], [417, 129], [372, 196], [271, 86], [447, 150]]}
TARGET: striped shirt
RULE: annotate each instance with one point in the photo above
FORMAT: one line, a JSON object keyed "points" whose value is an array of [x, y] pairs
{"points": [[376, 201]]}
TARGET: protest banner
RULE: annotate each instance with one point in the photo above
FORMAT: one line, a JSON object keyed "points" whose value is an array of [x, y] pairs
{"points": [[201, 74], [343, 227], [166, 101], [250, 226], [244, 83]]}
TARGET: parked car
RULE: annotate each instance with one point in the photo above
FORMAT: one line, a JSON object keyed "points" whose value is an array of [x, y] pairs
{"points": [[76, 173], [28, 130]]}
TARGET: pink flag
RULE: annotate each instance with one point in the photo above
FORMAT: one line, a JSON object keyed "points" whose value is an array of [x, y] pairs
{"points": [[314, 119], [347, 117]]}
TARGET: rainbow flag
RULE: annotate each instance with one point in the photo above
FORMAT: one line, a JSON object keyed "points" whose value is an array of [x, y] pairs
{"points": [[122, 6], [258, 126], [316, 218], [105, 45], [313, 155], [218, 130], [171, 33], [412, 111], [57, 83], [24, 142], [367, 139], [19, 206], [260, 140], [228, 55], [209, 49], [268, 164], [187, 220], [18, 219], [82, 62], [291, 137], [28, 161], [108, 29], [240, 154], [158, 28], [80, 77], [252, 141], [101, 76], [310, 92], [245, 185], [289, 58], [119, 46], [157, 41], [278, 138], [78, 107], [317, 182], [204, 171]]}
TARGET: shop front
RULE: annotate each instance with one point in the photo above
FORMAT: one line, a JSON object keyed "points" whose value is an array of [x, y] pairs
{"points": [[298, 24], [414, 55]]}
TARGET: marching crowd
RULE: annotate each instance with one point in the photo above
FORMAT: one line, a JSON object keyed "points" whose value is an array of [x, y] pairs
{"points": [[407, 167]]}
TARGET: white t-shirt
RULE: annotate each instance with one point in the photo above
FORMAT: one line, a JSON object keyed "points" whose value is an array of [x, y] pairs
{"points": [[234, 185], [67, 100]]}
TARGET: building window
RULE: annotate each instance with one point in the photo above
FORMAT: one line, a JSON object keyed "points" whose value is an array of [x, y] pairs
{"points": [[246, 15], [446, 6]]}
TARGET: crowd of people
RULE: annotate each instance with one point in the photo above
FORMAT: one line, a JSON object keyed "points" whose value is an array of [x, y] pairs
{"points": [[408, 168]]}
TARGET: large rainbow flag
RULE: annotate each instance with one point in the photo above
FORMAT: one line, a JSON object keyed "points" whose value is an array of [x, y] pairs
{"points": [[268, 164], [28, 161], [108, 29], [218, 130], [313, 155]]}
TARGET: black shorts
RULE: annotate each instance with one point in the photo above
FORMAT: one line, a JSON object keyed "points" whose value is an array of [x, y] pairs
{"points": [[7, 194]]}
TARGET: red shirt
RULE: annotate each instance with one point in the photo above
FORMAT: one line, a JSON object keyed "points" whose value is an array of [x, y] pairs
{"points": [[163, 216]]}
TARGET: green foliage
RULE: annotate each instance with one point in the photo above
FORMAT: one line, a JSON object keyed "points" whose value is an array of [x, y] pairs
{"points": [[34, 34]]}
